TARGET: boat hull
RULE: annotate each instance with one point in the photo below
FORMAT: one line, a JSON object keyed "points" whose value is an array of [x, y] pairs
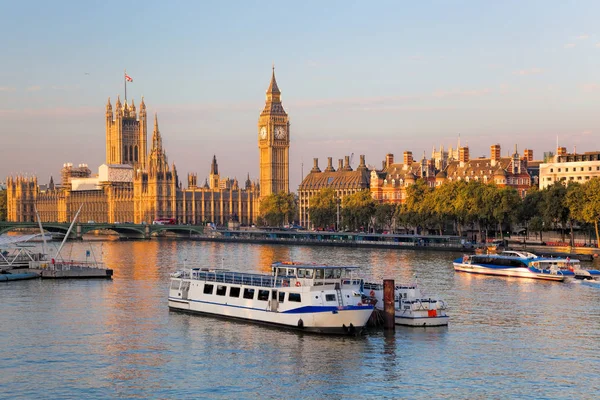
{"points": [[510, 272], [330, 320], [18, 276], [441, 320]]}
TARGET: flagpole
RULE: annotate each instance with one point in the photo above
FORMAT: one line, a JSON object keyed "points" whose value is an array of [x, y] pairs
{"points": [[125, 82]]}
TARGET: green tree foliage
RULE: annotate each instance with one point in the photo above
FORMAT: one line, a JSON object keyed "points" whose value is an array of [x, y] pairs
{"points": [[554, 209], [384, 215], [591, 209], [323, 208], [278, 209], [3, 205], [575, 201], [358, 209]]}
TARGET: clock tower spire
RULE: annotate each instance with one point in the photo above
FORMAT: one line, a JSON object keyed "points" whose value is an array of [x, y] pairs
{"points": [[274, 143]]}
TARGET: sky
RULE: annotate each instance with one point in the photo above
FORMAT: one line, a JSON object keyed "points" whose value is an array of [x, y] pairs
{"points": [[357, 77]]}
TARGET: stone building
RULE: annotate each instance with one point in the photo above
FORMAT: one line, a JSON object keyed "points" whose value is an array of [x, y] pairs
{"points": [[570, 167], [140, 186], [389, 184], [345, 181], [503, 171]]}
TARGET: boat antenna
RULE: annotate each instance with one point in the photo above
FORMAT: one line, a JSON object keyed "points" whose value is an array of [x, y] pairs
{"points": [[41, 230], [69, 231]]}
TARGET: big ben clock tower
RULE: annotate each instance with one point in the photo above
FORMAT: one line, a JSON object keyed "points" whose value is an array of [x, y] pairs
{"points": [[274, 144]]}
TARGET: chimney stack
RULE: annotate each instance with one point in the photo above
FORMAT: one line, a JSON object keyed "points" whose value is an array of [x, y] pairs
{"points": [[389, 160]]}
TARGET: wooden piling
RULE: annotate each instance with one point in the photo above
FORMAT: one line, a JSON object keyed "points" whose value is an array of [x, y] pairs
{"points": [[389, 310]]}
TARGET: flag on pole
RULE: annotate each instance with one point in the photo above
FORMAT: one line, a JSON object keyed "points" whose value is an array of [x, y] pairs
{"points": [[128, 78]]}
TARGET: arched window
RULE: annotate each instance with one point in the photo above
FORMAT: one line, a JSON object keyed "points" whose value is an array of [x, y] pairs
{"points": [[135, 153], [130, 153], [124, 153]]}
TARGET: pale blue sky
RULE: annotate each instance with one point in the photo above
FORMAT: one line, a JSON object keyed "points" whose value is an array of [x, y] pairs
{"points": [[356, 77]]}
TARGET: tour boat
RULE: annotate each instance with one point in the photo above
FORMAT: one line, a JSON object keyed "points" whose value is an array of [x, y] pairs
{"points": [[412, 306], [306, 297], [524, 266]]}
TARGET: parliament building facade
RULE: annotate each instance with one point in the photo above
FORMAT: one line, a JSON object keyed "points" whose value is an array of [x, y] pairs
{"points": [[140, 186]]}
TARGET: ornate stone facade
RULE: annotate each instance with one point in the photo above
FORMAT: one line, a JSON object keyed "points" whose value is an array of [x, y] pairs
{"points": [[139, 186], [274, 143]]}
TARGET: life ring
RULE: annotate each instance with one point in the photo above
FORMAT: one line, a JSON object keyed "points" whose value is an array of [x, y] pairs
{"points": [[53, 261], [359, 304], [372, 293], [298, 284], [285, 283]]}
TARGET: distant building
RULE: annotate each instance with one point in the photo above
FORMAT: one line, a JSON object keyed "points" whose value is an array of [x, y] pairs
{"points": [[344, 181], [570, 168], [389, 184], [503, 171], [137, 185]]}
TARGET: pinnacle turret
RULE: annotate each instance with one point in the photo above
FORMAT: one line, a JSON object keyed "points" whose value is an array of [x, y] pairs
{"points": [[273, 89]]}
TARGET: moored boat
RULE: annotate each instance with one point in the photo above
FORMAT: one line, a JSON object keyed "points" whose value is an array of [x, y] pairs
{"points": [[412, 307], [306, 297], [524, 266], [17, 275]]}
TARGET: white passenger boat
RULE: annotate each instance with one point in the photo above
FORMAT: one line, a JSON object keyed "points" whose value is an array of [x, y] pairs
{"points": [[307, 297], [525, 265], [412, 307]]}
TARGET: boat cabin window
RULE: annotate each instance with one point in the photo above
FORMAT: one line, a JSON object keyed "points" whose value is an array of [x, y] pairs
{"points": [[249, 293], [295, 297], [221, 290], [305, 273], [175, 284], [319, 274], [234, 291], [263, 295], [330, 297], [208, 289], [281, 297]]}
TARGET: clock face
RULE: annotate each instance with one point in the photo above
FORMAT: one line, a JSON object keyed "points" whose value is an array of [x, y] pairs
{"points": [[280, 132], [263, 132]]}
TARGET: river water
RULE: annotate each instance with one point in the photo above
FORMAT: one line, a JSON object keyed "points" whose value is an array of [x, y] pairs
{"points": [[507, 338]]}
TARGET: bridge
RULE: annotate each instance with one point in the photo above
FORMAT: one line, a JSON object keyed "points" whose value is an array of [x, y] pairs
{"points": [[125, 231]]}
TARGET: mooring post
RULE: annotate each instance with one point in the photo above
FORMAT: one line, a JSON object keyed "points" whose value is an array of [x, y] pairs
{"points": [[389, 310]]}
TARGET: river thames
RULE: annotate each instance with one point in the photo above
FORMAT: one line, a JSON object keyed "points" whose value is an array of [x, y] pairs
{"points": [[507, 338]]}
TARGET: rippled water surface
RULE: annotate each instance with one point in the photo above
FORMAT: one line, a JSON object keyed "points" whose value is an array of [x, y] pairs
{"points": [[507, 338]]}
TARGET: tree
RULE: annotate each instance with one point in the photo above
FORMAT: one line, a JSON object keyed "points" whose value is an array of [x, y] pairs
{"points": [[591, 208], [278, 209], [323, 208], [575, 202], [530, 207], [3, 205], [358, 209], [384, 215], [554, 209], [416, 196]]}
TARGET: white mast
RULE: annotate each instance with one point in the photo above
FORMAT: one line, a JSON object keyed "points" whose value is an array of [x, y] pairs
{"points": [[41, 230], [69, 231]]}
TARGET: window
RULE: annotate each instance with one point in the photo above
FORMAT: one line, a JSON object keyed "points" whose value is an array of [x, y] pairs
{"points": [[221, 290], [294, 297], [234, 291], [248, 293], [330, 297], [551, 169], [559, 170], [175, 285], [263, 295], [281, 297], [566, 169], [208, 289]]}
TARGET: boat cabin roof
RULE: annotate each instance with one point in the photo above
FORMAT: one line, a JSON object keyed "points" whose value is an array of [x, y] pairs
{"points": [[301, 265]]}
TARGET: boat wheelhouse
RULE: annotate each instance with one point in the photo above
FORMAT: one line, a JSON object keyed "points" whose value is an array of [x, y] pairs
{"points": [[412, 307], [307, 297]]}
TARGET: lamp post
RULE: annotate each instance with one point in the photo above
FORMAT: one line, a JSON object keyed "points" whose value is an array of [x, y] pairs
{"points": [[338, 201]]}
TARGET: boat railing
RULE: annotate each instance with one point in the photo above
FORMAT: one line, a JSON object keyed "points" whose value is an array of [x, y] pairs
{"points": [[67, 265], [239, 278]]}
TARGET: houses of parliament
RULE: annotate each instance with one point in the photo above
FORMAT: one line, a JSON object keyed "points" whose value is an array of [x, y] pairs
{"points": [[140, 186]]}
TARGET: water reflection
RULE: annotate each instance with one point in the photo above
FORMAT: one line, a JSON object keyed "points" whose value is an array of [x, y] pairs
{"points": [[118, 339]]}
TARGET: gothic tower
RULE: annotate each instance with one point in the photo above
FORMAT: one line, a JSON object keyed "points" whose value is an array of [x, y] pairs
{"points": [[274, 143], [126, 135]]}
